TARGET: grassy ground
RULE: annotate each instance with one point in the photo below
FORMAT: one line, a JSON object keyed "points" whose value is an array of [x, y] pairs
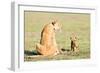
{"points": [[71, 22]]}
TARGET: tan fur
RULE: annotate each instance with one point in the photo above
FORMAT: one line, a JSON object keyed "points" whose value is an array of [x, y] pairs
{"points": [[74, 43], [48, 45]]}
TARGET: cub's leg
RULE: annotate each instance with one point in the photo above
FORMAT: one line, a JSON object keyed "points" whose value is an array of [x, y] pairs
{"points": [[76, 49]]}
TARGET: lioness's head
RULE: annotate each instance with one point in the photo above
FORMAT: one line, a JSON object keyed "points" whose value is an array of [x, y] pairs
{"points": [[56, 26]]}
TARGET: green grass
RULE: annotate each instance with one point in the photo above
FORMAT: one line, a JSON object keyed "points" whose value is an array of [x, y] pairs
{"points": [[71, 22]]}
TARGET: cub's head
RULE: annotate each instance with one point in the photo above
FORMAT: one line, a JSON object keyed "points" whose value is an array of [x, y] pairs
{"points": [[56, 26], [73, 37]]}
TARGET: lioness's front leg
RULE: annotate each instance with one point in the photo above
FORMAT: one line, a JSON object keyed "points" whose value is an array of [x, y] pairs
{"points": [[55, 46]]}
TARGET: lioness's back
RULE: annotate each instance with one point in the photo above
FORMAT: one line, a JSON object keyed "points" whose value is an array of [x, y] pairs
{"points": [[46, 34]]}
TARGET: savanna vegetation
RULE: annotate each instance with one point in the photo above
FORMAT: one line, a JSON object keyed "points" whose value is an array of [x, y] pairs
{"points": [[71, 22]]}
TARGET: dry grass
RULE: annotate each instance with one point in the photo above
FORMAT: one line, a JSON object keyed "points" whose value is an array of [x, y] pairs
{"points": [[71, 22]]}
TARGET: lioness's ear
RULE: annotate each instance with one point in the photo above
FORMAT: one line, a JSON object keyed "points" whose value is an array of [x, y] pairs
{"points": [[54, 22]]}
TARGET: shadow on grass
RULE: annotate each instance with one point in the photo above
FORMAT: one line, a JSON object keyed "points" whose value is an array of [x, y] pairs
{"points": [[29, 53]]}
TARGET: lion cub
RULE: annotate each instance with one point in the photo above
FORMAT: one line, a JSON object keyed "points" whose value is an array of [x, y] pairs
{"points": [[48, 45], [74, 43]]}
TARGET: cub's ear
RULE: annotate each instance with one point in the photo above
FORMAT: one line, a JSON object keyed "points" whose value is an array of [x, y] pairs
{"points": [[54, 22]]}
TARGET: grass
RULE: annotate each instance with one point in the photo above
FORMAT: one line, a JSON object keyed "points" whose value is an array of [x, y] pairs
{"points": [[71, 22], [64, 56]]}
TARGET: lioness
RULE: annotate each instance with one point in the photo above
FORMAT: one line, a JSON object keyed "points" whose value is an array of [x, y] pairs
{"points": [[48, 45]]}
